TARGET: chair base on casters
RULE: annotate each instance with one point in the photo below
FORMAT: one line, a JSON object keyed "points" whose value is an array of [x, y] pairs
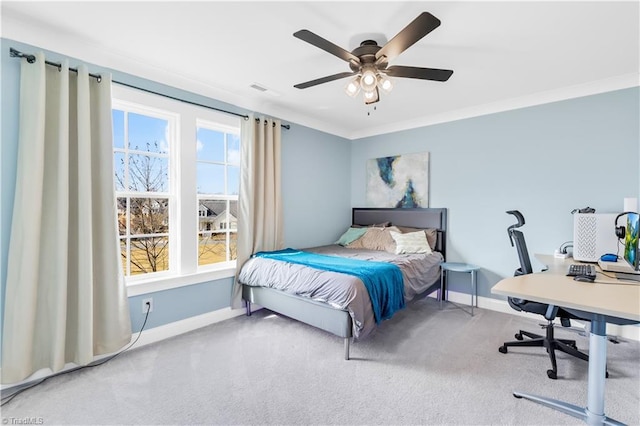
{"points": [[550, 343]]}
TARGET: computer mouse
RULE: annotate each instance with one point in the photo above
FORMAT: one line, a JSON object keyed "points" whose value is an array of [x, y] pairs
{"points": [[609, 257], [585, 278]]}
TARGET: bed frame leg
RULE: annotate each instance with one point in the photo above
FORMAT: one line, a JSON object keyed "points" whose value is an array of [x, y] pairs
{"points": [[248, 308], [347, 341]]}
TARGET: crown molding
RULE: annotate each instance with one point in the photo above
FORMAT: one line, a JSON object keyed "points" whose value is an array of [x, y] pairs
{"points": [[570, 92]]}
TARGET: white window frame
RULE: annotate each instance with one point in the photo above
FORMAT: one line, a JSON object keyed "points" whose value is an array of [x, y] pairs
{"points": [[172, 120], [183, 216]]}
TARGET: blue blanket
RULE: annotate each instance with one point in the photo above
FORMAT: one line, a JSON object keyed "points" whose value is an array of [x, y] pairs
{"points": [[383, 280]]}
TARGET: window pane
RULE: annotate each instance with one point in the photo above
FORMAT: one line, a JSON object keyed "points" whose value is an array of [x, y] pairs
{"points": [[118, 166], [148, 173], [217, 221], [149, 255], [212, 247], [233, 243], [210, 145], [233, 149], [124, 255], [233, 215], [148, 133], [210, 178], [118, 128], [210, 214], [149, 216], [122, 216], [233, 180]]}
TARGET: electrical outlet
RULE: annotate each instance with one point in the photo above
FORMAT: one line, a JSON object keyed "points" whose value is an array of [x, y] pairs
{"points": [[147, 305]]}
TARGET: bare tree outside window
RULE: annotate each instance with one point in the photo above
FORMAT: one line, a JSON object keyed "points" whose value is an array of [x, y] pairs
{"points": [[144, 220]]}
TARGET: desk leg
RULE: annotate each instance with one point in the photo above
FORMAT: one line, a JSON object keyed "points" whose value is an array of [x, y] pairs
{"points": [[594, 413], [597, 371]]}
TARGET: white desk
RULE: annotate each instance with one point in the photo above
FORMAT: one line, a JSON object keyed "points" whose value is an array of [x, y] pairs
{"points": [[606, 300]]}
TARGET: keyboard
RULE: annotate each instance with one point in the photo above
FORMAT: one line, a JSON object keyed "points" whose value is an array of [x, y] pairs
{"points": [[581, 269]]}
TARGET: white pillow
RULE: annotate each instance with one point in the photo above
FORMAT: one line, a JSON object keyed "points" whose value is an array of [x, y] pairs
{"points": [[411, 242]]}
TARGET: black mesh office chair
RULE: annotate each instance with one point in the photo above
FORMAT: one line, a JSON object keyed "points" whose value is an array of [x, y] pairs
{"points": [[550, 312]]}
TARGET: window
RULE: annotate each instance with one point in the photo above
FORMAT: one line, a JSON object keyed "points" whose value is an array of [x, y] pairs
{"points": [[142, 140], [177, 178], [218, 183]]}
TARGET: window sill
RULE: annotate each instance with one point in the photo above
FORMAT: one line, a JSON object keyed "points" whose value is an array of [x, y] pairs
{"points": [[138, 287]]}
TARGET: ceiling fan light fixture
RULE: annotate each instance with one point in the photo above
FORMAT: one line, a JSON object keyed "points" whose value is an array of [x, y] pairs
{"points": [[353, 87], [385, 83], [368, 81], [371, 96]]}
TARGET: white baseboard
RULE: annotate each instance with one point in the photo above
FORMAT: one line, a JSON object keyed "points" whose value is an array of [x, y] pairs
{"points": [[166, 331], [631, 332]]}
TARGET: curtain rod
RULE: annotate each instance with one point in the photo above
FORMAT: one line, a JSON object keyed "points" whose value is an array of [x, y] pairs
{"points": [[32, 58]]}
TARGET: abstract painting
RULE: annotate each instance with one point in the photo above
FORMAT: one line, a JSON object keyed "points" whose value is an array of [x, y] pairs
{"points": [[401, 181]]}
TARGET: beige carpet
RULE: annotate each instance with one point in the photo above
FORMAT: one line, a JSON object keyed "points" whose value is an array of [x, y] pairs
{"points": [[424, 366]]}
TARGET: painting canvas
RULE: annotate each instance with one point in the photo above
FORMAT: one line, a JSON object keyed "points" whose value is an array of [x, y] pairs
{"points": [[398, 181]]}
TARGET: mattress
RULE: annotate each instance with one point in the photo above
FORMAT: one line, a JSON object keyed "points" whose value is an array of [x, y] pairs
{"points": [[342, 291]]}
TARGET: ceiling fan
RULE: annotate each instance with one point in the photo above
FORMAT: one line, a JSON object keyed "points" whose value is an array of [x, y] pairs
{"points": [[369, 62]]}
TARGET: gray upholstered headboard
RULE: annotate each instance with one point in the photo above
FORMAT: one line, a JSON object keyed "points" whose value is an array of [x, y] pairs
{"points": [[415, 218]]}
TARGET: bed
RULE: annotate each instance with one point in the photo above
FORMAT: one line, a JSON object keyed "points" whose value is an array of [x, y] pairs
{"points": [[281, 289]]}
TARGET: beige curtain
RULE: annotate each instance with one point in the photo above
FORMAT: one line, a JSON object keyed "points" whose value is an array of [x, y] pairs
{"points": [[260, 199], [65, 294]]}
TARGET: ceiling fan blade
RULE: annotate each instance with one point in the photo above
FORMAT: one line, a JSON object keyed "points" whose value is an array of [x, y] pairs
{"points": [[323, 80], [416, 72], [326, 45], [418, 28]]}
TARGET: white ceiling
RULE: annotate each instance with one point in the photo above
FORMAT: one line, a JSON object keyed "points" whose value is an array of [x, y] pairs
{"points": [[504, 54]]}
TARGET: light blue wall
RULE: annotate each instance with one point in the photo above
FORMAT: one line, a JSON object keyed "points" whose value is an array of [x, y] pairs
{"points": [[544, 161], [316, 202]]}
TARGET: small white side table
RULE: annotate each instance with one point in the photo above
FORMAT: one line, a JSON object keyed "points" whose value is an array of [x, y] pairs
{"points": [[459, 267]]}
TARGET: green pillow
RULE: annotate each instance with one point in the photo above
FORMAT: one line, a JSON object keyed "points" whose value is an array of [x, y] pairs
{"points": [[351, 235]]}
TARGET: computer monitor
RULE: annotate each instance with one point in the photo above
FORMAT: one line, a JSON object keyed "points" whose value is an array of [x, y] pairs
{"points": [[631, 240]]}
